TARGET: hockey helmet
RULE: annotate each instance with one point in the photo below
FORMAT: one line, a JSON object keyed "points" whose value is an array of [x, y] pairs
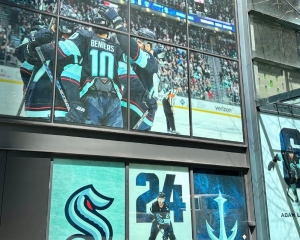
{"points": [[290, 149], [161, 195], [67, 26], [146, 32]]}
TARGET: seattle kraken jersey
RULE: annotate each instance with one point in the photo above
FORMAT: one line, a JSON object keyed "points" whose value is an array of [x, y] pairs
{"points": [[161, 215], [100, 57]]}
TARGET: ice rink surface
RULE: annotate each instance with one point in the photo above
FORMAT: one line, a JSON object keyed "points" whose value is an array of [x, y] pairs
{"points": [[205, 125], [10, 98]]}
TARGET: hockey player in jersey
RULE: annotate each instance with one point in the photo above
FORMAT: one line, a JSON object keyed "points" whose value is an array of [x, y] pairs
{"points": [[145, 66], [39, 32], [168, 105], [95, 97], [40, 90], [293, 166], [160, 213]]}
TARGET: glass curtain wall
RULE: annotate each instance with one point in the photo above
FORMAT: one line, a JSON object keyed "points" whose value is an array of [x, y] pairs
{"points": [[165, 67]]}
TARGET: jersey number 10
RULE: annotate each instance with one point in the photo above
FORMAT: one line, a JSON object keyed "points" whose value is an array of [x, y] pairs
{"points": [[102, 63]]}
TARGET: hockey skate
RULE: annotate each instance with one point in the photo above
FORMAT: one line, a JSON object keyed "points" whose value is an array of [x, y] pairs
{"points": [[175, 132]]}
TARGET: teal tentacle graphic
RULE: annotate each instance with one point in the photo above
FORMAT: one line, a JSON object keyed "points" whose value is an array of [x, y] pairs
{"points": [[220, 200], [82, 212]]}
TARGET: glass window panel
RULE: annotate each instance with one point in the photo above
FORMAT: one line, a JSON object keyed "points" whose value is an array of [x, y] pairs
{"points": [[274, 43], [86, 11], [215, 93], [90, 202], [166, 18], [212, 27], [164, 75], [222, 205], [152, 213], [281, 9], [93, 74], [271, 80], [26, 89]]}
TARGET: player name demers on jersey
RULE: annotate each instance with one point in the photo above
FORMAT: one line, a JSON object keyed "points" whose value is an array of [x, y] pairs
{"points": [[103, 45]]}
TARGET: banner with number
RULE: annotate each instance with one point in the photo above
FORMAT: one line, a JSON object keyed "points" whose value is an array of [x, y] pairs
{"points": [[150, 184], [220, 206], [87, 200]]}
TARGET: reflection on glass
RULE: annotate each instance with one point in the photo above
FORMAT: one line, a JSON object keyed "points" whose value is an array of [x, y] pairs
{"points": [[285, 10], [26, 89], [212, 27], [275, 43], [215, 93], [159, 202], [166, 18], [162, 70], [270, 80], [221, 205]]}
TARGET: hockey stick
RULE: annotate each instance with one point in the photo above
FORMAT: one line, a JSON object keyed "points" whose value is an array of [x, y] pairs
{"points": [[41, 55], [25, 92], [136, 126]]}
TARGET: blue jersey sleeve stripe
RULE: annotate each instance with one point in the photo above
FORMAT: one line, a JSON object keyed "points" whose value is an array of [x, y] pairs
{"points": [[69, 48], [142, 59]]}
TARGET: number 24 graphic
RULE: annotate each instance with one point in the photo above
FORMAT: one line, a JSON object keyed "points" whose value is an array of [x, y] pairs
{"points": [[177, 206]]}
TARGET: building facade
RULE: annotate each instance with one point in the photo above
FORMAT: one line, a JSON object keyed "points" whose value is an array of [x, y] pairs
{"points": [[110, 106]]}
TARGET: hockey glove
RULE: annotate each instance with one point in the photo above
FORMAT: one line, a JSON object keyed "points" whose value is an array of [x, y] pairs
{"points": [[43, 36], [150, 102], [271, 165], [111, 15], [30, 53], [292, 166], [76, 113]]}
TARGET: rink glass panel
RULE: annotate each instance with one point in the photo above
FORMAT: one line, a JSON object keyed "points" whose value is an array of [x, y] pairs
{"points": [[166, 18], [212, 27], [84, 9], [89, 198], [172, 75], [145, 182], [219, 197], [274, 43], [278, 9], [215, 97], [15, 75]]}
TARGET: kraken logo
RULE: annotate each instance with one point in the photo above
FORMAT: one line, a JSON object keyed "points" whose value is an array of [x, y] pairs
{"points": [[82, 212], [220, 200]]}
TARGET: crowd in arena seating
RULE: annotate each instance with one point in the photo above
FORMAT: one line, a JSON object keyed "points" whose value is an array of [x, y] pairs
{"points": [[174, 64]]}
